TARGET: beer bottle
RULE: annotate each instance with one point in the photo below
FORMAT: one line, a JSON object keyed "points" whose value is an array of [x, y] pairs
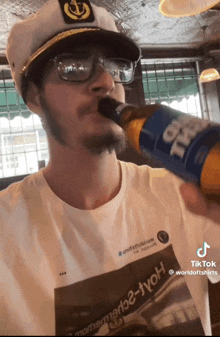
{"points": [[186, 145]]}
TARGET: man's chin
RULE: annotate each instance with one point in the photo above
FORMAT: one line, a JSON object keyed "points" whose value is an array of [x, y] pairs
{"points": [[106, 143]]}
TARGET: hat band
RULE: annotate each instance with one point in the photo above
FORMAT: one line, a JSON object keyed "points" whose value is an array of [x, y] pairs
{"points": [[51, 42]]}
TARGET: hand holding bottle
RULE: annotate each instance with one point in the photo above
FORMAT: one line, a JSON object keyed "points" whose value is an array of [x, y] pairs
{"points": [[199, 203]]}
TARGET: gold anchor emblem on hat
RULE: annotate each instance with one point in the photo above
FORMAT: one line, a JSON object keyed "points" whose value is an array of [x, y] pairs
{"points": [[77, 10]]}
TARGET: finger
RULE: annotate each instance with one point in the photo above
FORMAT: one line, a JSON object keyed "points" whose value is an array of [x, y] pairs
{"points": [[194, 200], [214, 212], [213, 198], [198, 203]]}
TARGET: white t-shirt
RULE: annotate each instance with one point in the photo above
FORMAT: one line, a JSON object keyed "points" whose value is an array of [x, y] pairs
{"points": [[114, 270]]}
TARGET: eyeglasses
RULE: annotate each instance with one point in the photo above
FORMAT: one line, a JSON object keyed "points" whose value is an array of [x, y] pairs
{"points": [[77, 67]]}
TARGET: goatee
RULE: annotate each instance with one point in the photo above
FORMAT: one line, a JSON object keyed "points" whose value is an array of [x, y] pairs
{"points": [[106, 143], [95, 144]]}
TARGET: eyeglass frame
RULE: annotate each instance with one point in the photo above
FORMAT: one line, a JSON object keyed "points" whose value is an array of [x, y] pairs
{"points": [[95, 60]]}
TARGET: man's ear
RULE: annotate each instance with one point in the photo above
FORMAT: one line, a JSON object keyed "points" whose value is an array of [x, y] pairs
{"points": [[33, 99]]}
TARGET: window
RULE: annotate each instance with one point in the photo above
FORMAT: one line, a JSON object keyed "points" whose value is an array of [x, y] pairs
{"points": [[172, 82], [23, 141]]}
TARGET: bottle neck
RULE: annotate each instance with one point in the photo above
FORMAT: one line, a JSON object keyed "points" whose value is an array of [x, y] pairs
{"points": [[132, 112]]}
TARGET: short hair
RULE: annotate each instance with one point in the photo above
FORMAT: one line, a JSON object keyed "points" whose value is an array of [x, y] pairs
{"points": [[36, 74]]}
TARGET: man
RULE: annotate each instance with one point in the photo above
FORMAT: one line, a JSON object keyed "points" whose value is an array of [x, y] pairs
{"points": [[92, 245]]}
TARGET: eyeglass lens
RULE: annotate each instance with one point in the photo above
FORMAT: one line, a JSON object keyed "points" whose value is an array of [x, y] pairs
{"points": [[78, 68]]}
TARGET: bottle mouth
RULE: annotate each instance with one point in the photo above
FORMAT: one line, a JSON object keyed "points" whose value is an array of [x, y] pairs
{"points": [[108, 108]]}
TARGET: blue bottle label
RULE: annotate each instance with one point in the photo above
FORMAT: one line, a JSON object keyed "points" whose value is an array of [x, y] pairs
{"points": [[181, 142]]}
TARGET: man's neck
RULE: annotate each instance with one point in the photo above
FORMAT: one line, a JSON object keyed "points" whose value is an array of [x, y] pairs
{"points": [[85, 182]]}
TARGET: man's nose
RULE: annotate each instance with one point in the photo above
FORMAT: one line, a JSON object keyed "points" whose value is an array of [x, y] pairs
{"points": [[102, 82]]}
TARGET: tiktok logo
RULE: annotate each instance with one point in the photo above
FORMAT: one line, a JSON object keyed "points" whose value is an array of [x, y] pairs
{"points": [[204, 253]]}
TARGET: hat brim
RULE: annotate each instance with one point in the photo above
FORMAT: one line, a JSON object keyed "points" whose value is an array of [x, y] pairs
{"points": [[120, 45]]}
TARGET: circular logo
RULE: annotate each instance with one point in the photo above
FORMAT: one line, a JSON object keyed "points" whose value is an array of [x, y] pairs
{"points": [[163, 236]]}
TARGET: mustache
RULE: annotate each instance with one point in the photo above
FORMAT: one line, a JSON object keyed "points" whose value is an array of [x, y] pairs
{"points": [[88, 108]]}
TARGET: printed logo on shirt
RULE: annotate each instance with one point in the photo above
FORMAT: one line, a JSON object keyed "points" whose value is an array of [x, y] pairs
{"points": [[144, 245], [140, 299], [163, 237]]}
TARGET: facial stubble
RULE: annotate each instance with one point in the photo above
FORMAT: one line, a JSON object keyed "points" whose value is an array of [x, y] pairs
{"points": [[97, 144]]}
